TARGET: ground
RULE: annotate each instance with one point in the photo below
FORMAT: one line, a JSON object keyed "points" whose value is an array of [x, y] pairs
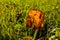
{"points": [[13, 15]]}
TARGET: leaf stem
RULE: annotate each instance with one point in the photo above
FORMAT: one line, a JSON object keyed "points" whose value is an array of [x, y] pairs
{"points": [[35, 34]]}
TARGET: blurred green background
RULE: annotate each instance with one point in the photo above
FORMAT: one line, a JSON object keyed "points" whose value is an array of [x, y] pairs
{"points": [[13, 15]]}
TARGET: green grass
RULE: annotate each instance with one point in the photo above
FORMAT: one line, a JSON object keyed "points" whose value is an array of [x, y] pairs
{"points": [[13, 29]]}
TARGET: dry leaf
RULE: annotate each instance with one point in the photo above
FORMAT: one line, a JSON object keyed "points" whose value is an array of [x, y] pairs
{"points": [[36, 18]]}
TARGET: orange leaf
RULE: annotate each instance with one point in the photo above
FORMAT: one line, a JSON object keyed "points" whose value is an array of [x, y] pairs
{"points": [[36, 18]]}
